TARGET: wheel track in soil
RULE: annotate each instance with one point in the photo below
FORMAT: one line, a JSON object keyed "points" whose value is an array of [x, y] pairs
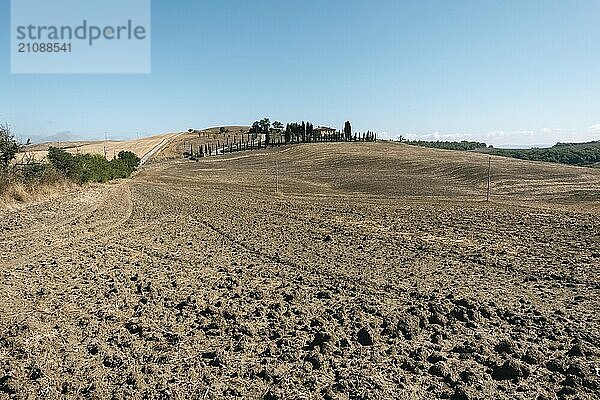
{"points": [[97, 230], [78, 214], [232, 238], [316, 274], [31, 231], [303, 275]]}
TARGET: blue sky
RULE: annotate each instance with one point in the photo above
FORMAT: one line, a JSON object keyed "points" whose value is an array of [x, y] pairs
{"points": [[506, 72]]}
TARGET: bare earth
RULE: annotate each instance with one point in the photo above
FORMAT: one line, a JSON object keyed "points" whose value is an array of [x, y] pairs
{"points": [[376, 272]]}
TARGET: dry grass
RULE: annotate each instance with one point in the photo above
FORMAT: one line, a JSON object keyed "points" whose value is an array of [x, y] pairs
{"points": [[394, 170], [16, 194]]}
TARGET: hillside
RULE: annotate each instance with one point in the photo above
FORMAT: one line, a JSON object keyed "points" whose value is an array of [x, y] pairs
{"points": [[213, 136], [376, 271], [138, 146], [142, 146], [389, 169]]}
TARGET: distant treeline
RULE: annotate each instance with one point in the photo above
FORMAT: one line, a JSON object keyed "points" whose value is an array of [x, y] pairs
{"points": [[305, 132], [461, 146], [264, 134], [580, 154]]}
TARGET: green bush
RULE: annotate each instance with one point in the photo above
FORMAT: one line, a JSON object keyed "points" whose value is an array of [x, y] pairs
{"points": [[64, 162], [84, 168], [9, 147], [130, 159]]}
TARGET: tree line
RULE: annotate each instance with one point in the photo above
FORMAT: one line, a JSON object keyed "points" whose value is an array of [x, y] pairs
{"points": [[579, 154], [447, 145], [264, 134]]}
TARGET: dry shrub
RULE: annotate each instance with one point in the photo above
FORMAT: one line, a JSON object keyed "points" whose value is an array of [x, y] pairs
{"points": [[15, 191], [18, 192]]}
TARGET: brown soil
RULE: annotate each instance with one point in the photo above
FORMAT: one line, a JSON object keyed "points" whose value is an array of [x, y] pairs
{"points": [[376, 272]]}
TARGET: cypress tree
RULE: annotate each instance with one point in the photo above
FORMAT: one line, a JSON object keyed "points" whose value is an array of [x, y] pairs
{"points": [[348, 130]]}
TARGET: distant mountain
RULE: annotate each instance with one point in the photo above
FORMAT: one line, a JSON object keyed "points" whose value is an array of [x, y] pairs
{"points": [[65, 136], [68, 136]]}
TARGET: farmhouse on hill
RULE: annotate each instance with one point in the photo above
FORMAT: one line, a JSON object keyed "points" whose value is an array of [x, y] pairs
{"points": [[325, 132]]}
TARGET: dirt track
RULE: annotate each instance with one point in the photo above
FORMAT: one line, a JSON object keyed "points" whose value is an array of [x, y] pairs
{"points": [[375, 273]]}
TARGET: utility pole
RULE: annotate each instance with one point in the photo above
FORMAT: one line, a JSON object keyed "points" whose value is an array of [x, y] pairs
{"points": [[277, 177], [489, 180]]}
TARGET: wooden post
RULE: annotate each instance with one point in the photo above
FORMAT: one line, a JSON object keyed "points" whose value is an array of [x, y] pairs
{"points": [[277, 177], [489, 180]]}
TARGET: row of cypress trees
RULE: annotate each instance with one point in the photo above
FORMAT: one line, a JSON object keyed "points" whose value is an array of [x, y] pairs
{"points": [[275, 135]]}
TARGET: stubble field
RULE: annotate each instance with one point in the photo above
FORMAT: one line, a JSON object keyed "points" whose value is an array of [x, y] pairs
{"points": [[377, 271]]}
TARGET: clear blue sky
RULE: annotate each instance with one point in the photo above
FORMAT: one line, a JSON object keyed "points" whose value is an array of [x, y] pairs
{"points": [[500, 71]]}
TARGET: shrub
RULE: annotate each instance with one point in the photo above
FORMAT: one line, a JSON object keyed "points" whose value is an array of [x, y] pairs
{"points": [[64, 162], [129, 158], [9, 147], [84, 168]]}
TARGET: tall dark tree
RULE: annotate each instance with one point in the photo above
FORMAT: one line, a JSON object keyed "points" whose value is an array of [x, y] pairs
{"points": [[347, 131], [311, 133], [278, 126], [288, 134], [265, 125], [255, 127]]}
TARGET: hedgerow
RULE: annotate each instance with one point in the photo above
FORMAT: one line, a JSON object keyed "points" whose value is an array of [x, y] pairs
{"points": [[84, 168]]}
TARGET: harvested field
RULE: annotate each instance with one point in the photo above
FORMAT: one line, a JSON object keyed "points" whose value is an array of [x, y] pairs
{"points": [[190, 142], [112, 147], [376, 272]]}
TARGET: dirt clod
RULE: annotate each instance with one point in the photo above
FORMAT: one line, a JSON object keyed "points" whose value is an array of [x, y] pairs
{"points": [[365, 337], [510, 370]]}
